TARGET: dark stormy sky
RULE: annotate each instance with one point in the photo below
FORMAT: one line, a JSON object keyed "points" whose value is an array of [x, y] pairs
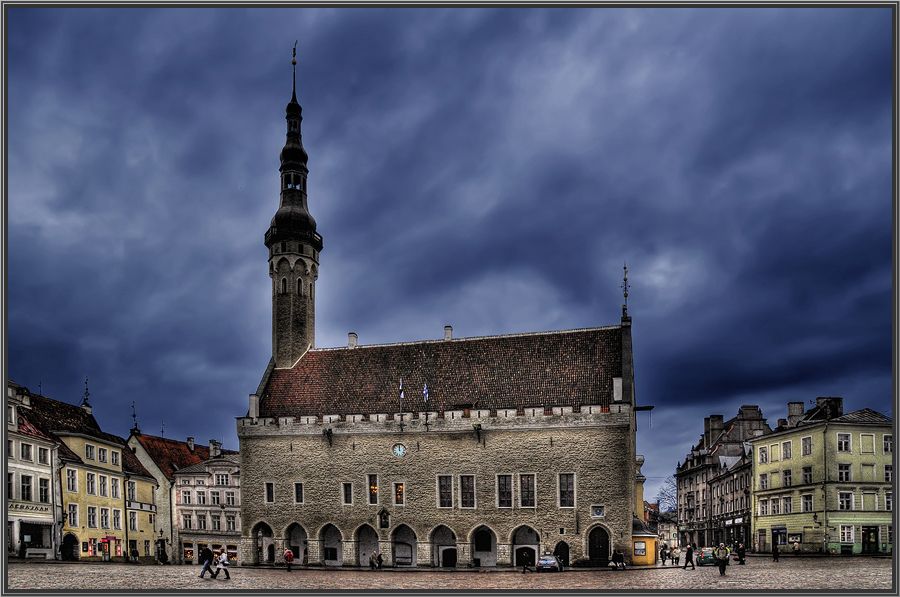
{"points": [[487, 168]]}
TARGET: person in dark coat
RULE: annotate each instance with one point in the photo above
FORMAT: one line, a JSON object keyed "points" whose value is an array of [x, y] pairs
{"points": [[380, 560], [742, 552], [206, 558], [689, 557], [288, 558], [774, 551]]}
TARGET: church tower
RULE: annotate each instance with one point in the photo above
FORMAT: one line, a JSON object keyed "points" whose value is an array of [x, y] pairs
{"points": [[294, 246]]}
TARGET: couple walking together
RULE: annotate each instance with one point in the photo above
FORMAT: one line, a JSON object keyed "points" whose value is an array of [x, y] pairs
{"points": [[219, 558]]}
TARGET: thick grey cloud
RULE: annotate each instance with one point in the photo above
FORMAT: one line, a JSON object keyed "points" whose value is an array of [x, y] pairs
{"points": [[489, 168]]}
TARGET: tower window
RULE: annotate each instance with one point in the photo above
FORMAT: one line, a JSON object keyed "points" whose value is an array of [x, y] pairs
{"points": [[292, 125], [300, 286], [283, 247], [284, 286]]}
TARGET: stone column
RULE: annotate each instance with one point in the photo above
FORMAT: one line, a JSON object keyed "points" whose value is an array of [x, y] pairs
{"points": [[504, 554], [387, 552], [279, 551], [314, 548], [424, 554], [463, 555], [246, 547], [349, 548]]}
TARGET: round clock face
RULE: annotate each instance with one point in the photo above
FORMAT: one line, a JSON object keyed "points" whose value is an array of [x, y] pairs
{"points": [[399, 450]]}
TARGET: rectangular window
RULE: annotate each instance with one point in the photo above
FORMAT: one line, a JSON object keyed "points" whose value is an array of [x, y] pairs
{"points": [[25, 451], [10, 485], [89, 451], [526, 491], [806, 446], [567, 490], [217, 523], [776, 506], [186, 521], [806, 502], [214, 497], [764, 481], [221, 479], [72, 480], [807, 475], [117, 519], [10, 415], [101, 454], [773, 453], [399, 494], [786, 450], [845, 500], [103, 489], [230, 520], [763, 455], [201, 522], [445, 491], [867, 443], [466, 491], [92, 517], [131, 488], [114, 487], [270, 493], [843, 473], [201, 498], [92, 484], [889, 501], [44, 491], [132, 521], [186, 497], [347, 492], [843, 442], [73, 515], [504, 491], [229, 498], [847, 533], [763, 507], [104, 518], [43, 455], [25, 486], [888, 444], [298, 493], [373, 489], [786, 478], [787, 505], [115, 457], [889, 473], [10, 448]]}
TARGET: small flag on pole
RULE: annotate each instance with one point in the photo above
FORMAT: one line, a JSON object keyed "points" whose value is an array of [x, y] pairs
{"points": [[402, 395], [425, 391]]}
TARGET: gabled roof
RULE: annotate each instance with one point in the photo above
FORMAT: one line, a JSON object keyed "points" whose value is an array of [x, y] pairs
{"points": [[863, 416], [131, 464], [567, 368], [200, 467], [171, 455], [26, 427], [56, 417]]}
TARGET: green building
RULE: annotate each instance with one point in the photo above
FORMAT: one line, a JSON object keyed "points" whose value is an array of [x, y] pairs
{"points": [[824, 479]]}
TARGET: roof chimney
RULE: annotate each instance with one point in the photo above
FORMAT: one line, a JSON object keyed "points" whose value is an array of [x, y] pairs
{"points": [[214, 448], [782, 423], [832, 405], [795, 413], [448, 332], [190, 443], [352, 339]]}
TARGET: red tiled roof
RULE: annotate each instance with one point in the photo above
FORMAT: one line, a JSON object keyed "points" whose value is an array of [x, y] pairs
{"points": [[131, 464], [55, 416], [171, 455], [568, 368], [27, 428]]}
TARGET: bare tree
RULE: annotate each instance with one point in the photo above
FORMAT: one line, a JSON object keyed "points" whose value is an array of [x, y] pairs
{"points": [[667, 496]]}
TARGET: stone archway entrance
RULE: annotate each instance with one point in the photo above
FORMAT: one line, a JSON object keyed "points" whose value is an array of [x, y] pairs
{"points": [[484, 547], [598, 546], [525, 546], [295, 538], [366, 544], [332, 546], [69, 549], [264, 544], [561, 551], [404, 543], [443, 545]]}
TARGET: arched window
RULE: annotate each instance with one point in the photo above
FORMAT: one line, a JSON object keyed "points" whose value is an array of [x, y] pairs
{"points": [[284, 286], [310, 290], [300, 286]]}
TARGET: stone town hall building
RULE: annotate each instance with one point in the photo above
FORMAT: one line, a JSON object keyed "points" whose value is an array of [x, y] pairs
{"points": [[525, 444]]}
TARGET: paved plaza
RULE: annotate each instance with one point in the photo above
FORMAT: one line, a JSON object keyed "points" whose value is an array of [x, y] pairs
{"points": [[760, 573]]}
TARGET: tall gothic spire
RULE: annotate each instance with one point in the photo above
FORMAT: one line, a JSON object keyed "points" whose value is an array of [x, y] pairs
{"points": [[294, 64]]}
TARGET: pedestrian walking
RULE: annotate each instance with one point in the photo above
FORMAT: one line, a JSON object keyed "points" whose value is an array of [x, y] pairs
{"points": [[379, 560], [373, 562], [774, 551], [526, 564], [222, 564], [689, 557], [796, 548], [742, 553], [676, 555], [663, 552], [206, 558], [721, 553], [288, 558], [620, 559]]}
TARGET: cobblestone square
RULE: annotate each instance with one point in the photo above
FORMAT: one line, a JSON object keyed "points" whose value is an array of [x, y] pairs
{"points": [[759, 574]]}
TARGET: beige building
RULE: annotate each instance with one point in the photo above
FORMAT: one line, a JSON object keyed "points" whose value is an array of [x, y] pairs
{"points": [[483, 451], [208, 505]]}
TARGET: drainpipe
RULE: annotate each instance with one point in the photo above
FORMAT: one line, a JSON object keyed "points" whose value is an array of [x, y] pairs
{"points": [[126, 549], [825, 489]]}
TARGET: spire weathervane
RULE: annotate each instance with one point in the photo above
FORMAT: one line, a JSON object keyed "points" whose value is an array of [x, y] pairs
{"points": [[294, 65], [134, 418], [87, 394], [625, 286]]}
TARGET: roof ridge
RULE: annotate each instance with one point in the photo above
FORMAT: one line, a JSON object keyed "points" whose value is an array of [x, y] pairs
{"points": [[466, 338]]}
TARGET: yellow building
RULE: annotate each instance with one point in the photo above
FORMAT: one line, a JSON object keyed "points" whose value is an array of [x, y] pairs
{"points": [[140, 508]]}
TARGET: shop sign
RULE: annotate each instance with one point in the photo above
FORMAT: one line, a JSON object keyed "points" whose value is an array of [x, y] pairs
{"points": [[29, 507], [739, 520], [729, 522]]}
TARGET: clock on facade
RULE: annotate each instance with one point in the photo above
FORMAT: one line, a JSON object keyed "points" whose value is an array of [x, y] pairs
{"points": [[399, 450]]}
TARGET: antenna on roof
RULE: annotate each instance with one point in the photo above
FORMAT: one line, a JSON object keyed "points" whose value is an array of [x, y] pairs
{"points": [[625, 286], [87, 394], [162, 429], [134, 429]]}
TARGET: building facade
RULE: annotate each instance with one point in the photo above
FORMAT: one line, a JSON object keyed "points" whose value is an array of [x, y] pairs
{"points": [[208, 505], [730, 491], [140, 509], [720, 443], [32, 487], [495, 450], [824, 479]]}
